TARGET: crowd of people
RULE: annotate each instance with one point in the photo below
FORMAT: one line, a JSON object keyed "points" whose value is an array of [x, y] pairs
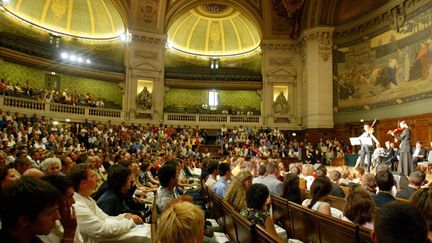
{"points": [[94, 182], [45, 95]]}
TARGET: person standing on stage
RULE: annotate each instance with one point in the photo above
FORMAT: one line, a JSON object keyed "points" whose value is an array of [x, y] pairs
{"points": [[405, 157], [367, 146]]}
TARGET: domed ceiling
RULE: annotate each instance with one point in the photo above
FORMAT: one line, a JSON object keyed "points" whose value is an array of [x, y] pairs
{"points": [[90, 19], [214, 30]]}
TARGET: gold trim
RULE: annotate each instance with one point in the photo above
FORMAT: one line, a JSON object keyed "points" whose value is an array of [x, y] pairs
{"points": [[207, 36], [178, 26], [92, 23], [237, 34], [69, 17], [45, 11], [109, 16], [222, 36], [249, 30], [18, 5], [192, 32]]}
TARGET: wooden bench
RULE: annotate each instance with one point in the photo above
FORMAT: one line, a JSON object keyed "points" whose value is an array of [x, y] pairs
{"points": [[281, 215], [262, 236], [303, 226], [335, 230]]}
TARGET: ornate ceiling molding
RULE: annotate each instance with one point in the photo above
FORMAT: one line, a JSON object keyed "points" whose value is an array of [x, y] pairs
{"points": [[275, 45], [149, 39], [391, 15]]}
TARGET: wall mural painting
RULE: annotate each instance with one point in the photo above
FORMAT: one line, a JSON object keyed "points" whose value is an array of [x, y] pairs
{"points": [[386, 69]]}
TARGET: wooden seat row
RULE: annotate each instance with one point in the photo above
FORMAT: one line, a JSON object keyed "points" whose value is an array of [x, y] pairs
{"points": [[310, 226], [234, 225]]}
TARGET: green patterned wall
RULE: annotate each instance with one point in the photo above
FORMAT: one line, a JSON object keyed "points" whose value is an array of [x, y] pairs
{"points": [[196, 98], [110, 91]]}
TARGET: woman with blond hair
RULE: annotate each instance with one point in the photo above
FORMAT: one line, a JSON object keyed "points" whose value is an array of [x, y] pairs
{"points": [[181, 222], [236, 192]]}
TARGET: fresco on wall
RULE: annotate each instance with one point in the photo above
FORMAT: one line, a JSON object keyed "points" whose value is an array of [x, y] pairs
{"points": [[387, 69]]}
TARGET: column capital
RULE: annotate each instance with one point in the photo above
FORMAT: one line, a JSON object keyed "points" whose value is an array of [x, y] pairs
{"points": [[324, 37]]}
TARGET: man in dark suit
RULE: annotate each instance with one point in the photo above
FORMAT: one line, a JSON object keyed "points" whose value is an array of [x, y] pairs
{"points": [[336, 191], [385, 183], [416, 180], [392, 156], [419, 153]]}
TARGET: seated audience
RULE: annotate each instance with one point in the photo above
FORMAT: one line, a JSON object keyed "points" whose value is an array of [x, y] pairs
{"points": [[292, 188], [399, 222], [356, 177], [320, 189], [385, 183], [307, 175], [66, 227], [181, 222], [236, 192], [221, 185], [21, 164], [345, 175], [257, 211], [422, 200], [113, 200], [359, 208], [262, 173], [419, 153], [7, 176], [273, 184], [28, 208], [336, 191], [212, 169], [33, 172], [95, 225], [368, 182], [51, 166], [168, 177], [416, 180]]}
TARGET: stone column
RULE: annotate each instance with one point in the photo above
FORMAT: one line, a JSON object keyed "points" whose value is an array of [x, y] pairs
{"points": [[317, 45], [145, 62]]}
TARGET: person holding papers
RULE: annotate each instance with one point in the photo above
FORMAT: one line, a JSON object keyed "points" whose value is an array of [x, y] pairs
{"points": [[367, 145]]}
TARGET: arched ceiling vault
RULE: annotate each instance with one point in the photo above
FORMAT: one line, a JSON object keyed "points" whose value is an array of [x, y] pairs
{"points": [[214, 29], [95, 19]]}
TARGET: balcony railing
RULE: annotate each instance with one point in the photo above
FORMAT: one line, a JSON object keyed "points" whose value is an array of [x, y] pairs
{"points": [[217, 120], [59, 111], [79, 113]]}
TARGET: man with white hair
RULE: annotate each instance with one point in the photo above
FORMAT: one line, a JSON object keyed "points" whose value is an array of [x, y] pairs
{"points": [[51, 166]]}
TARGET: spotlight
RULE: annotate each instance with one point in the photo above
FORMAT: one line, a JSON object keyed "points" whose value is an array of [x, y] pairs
{"points": [[88, 61], [55, 123], [361, 120], [67, 120], [64, 55], [53, 73], [80, 59], [72, 58]]}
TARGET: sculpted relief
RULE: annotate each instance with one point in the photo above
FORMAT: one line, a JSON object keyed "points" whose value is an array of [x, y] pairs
{"points": [[144, 99]]}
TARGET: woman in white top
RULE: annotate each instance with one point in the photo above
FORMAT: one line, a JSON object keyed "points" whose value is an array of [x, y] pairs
{"points": [[320, 189]]}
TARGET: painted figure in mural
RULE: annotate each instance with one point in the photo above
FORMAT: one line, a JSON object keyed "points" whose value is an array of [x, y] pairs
{"points": [[280, 105], [144, 99]]}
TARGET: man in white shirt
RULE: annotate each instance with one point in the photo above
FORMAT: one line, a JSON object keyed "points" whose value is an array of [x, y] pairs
{"points": [[212, 169], [95, 225]]}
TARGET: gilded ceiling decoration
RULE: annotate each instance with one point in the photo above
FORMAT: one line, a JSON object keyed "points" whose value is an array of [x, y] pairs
{"points": [[89, 19], [214, 29]]}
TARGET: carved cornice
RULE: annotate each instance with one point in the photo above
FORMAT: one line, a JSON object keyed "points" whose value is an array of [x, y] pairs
{"points": [[272, 45], [210, 84], [324, 37], [149, 39]]}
